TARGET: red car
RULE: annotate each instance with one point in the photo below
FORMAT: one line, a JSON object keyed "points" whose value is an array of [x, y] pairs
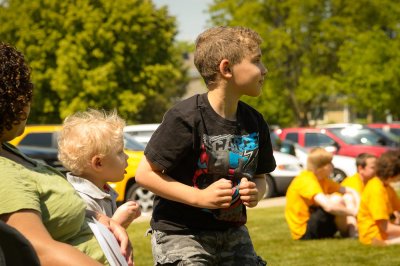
{"points": [[347, 141], [393, 128]]}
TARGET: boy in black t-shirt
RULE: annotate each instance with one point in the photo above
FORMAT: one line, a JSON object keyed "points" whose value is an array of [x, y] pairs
{"points": [[208, 159]]}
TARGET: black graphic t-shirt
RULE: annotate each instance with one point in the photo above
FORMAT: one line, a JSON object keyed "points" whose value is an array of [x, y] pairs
{"points": [[196, 146]]}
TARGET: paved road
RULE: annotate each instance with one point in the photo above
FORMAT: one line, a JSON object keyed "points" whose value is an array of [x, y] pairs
{"points": [[265, 203]]}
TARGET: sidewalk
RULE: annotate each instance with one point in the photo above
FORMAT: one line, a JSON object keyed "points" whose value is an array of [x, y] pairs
{"points": [[265, 203], [272, 202]]}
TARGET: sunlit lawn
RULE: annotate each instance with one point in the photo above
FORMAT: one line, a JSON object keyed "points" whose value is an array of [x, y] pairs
{"points": [[272, 241]]}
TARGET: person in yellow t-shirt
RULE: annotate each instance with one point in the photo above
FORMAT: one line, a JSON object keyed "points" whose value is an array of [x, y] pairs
{"points": [[312, 201], [379, 201], [365, 164]]}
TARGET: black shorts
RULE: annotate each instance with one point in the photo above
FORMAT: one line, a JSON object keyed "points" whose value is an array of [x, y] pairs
{"points": [[320, 225]]}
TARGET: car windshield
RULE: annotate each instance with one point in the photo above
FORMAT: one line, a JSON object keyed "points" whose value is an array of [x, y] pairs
{"points": [[357, 135], [131, 144]]}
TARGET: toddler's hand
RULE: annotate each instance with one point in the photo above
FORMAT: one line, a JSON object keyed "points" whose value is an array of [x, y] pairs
{"points": [[126, 213]]}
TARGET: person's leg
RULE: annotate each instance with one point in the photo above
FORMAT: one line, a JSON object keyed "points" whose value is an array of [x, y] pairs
{"points": [[237, 248], [189, 249], [320, 225]]}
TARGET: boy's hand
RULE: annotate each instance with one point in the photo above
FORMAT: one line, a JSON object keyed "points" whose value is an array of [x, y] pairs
{"points": [[217, 195], [126, 213], [248, 193]]}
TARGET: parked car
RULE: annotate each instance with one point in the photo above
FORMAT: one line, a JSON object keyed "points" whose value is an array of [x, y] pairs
{"points": [[43, 155], [142, 132], [287, 168], [392, 130], [343, 166], [40, 142], [347, 140], [357, 133]]}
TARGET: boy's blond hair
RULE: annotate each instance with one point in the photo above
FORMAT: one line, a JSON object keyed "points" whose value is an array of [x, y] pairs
{"points": [[87, 134], [317, 158], [218, 43]]}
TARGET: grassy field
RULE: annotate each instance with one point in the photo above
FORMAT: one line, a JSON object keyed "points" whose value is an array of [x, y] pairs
{"points": [[272, 241]]}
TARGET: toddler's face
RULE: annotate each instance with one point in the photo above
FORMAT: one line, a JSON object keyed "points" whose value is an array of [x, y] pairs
{"points": [[114, 164]]}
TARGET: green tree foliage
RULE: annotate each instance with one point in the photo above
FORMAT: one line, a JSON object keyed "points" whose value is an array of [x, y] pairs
{"points": [[98, 54], [317, 50]]}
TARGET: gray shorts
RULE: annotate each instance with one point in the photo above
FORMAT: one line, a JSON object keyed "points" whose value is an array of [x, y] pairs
{"points": [[230, 247]]}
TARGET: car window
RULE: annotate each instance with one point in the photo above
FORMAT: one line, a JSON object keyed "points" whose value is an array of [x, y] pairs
{"points": [[38, 139], [395, 131], [131, 144], [144, 133], [318, 140], [357, 136], [293, 137]]}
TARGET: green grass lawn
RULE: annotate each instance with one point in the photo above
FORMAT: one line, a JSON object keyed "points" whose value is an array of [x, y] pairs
{"points": [[272, 241]]}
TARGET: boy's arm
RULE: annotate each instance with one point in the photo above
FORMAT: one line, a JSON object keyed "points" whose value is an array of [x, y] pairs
{"points": [[217, 195]]}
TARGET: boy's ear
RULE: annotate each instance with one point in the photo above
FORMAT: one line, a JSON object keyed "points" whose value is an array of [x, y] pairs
{"points": [[96, 162], [225, 68]]}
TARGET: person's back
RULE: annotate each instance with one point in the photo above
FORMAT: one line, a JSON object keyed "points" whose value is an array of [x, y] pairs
{"points": [[207, 160]]}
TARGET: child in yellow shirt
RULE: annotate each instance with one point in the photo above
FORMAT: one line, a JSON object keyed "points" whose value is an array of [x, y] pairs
{"points": [[365, 164], [378, 202], [312, 202]]}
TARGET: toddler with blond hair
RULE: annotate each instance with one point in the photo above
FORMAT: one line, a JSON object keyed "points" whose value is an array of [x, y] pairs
{"points": [[91, 147]]}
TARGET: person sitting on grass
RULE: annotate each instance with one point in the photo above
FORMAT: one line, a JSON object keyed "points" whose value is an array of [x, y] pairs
{"points": [[379, 201], [313, 205], [365, 164], [91, 146]]}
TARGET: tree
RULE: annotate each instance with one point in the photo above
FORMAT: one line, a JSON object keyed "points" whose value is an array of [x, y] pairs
{"points": [[97, 53], [306, 49]]}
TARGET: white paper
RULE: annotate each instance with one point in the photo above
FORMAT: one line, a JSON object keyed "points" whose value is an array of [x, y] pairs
{"points": [[108, 244]]}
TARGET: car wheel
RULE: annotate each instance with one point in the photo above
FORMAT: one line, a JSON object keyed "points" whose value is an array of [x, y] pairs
{"points": [[142, 196], [338, 175], [270, 187]]}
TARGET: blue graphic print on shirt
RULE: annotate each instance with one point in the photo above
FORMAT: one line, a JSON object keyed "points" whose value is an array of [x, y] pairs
{"points": [[227, 156]]}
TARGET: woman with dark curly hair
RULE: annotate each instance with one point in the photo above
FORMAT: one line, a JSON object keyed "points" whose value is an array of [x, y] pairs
{"points": [[36, 199], [15, 88], [379, 201]]}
